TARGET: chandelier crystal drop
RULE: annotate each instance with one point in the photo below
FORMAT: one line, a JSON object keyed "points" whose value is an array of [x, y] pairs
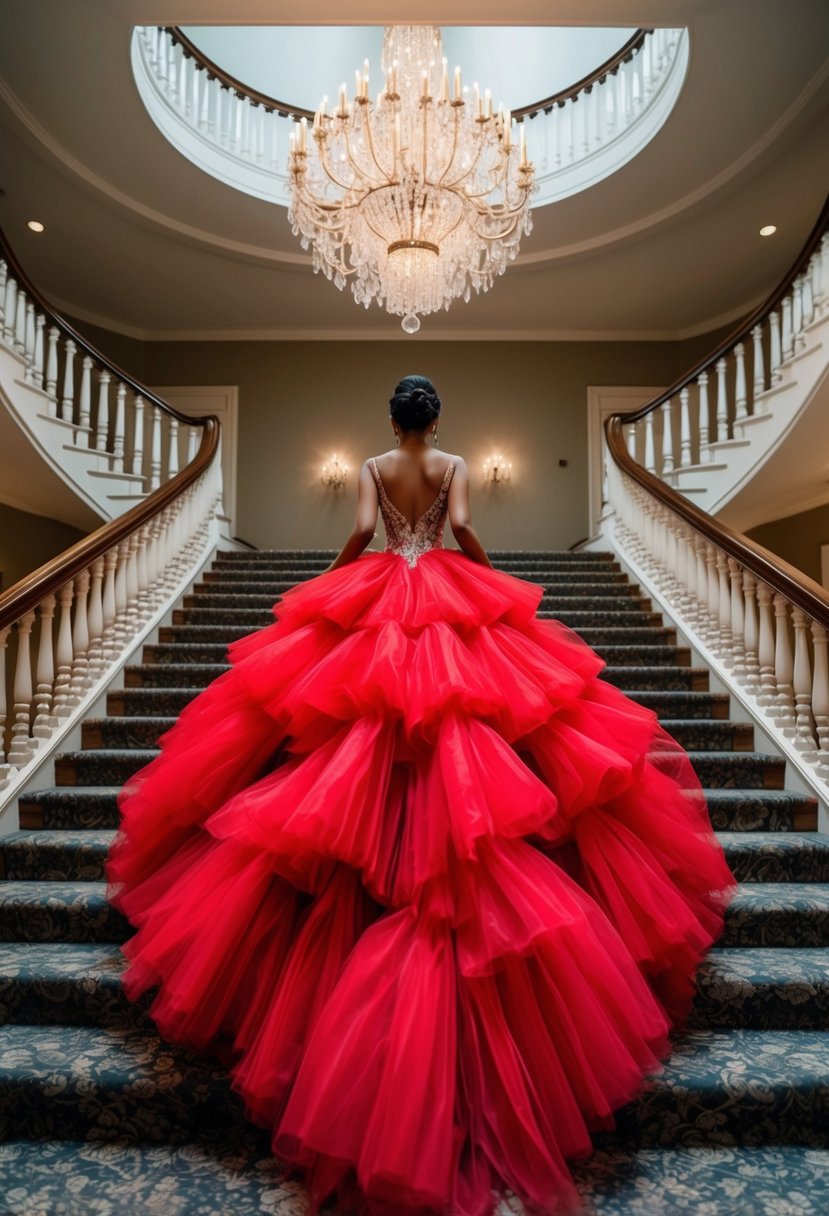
{"points": [[417, 197]]}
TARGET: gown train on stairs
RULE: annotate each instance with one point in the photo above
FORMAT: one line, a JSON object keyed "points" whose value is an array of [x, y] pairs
{"points": [[433, 889]]}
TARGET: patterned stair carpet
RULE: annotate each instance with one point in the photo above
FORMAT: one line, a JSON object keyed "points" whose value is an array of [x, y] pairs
{"points": [[98, 1115]]}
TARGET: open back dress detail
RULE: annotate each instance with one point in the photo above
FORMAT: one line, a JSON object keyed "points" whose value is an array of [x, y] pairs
{"points": [[433, 889]]}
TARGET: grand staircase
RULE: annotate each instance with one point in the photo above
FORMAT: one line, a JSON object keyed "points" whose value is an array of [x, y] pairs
{"points": [[97, 1114]]}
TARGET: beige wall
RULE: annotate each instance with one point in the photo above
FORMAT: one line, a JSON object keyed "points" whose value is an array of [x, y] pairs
{"points": [[797, 538], [298, 402], [27, 541]]}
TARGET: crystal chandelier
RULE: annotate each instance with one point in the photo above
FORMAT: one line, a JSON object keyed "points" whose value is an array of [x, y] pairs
{"points": [[418, 197]]}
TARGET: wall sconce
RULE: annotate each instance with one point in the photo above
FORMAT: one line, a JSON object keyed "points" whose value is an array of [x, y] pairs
{"points": [[497, 469], [334, 473]]}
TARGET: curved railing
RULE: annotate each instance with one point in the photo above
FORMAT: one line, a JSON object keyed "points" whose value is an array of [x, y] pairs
{"points": [[65, 627], [679, 429], [763, 620], [133, 432], [574, 137]]}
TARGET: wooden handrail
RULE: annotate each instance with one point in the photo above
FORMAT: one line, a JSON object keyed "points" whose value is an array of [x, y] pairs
{"points": [[214, 72], [608, 68], [796, 586], [18, 273], [31, 590], [743, 330]]}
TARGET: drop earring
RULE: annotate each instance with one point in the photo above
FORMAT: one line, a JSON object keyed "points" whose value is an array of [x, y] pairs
{"points": [[435, 438], [396, 440]]}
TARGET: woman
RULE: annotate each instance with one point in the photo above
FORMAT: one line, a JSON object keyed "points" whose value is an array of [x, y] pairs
{"points": [[464, 884]]}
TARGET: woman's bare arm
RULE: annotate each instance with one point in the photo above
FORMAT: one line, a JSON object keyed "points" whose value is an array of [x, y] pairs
{"points": [[365, 523], [460, 518]]}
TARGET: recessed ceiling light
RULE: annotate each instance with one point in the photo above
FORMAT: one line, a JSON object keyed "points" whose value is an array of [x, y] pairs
{"points": [[768, 230], [35, 225]]}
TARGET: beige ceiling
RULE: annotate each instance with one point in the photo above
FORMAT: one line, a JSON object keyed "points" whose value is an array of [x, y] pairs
{"points": [[139, 239]]}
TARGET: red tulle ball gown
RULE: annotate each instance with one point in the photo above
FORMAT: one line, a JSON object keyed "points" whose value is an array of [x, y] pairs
{"points": [[426, 878]]}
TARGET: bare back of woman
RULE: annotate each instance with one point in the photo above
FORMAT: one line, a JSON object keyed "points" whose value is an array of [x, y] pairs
{"points": [[412, 478]]}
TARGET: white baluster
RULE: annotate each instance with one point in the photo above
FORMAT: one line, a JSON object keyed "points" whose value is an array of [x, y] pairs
{"points": [[704, 419], [183, 67], [750, 633], [138, 436], [52, 371], [765, 646], [775, 347], [9, 310], [20, 748], [787, 336], [759, 364], [205, 123], [120, 428], [797, 313], [802, 684], [29, 343], [713, 585], [20, 322], [80, 639], [820, 697], [4, 639], [85, 404], [684, 428], [61, 706], [40, 323], [740, 392], [4, 278], [783, 708], [192, 443], [172, 458], [650, 454], [808, 298], [109, 609], [44, 723], [102, 420], [735, 576], [724, 605], [95, 621], [667, 438], [155, 450], [818, 283], [722, 402], [68, 398], [195, 99]]}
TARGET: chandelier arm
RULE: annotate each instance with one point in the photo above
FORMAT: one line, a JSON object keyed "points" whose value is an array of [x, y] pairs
{"points": [[501, 235], [383, 174], [469, 172], [451, 160], [328, 173], [355, 165]]}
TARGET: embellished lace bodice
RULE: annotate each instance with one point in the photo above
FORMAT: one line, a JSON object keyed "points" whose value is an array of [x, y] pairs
{"points": [[411, 542]]}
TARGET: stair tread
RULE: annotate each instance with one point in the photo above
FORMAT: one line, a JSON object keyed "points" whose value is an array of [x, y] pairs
{"points": [[768, 964], [70, 838]]}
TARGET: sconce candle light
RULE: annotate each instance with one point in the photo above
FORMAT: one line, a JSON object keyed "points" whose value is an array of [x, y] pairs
{"points": [[497, 469], [334, 473]]}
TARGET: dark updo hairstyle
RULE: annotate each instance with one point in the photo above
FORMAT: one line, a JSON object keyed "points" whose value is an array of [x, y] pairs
{"points": [[415, 403]]}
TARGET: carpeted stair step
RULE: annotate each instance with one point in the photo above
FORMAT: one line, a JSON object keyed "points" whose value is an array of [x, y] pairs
{"points": [[727, 770], [148, 702], [736, 1087], [84, 1082], [172, 675], [778, 914], [70, 808], [694, 679], [679, 703], [56, 855], [191, 634], [777, 856], [643, 655], [710, 736], [125, 731], [763, 988], [764, 1180], [102, 765], [190, 1178], [631, 635], [58, 912], [596, 618], [755, 810], [67, 983], [163, 653]]}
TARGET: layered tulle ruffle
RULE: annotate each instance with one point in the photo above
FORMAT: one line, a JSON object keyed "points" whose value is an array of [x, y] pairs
{"points": [[435, 890]]}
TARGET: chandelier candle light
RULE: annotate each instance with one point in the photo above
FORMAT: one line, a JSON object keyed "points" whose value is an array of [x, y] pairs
{"points": [[418, 197]]}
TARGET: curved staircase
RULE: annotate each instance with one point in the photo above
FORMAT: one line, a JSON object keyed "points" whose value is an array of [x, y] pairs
{"points": [[96, 1111]]}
